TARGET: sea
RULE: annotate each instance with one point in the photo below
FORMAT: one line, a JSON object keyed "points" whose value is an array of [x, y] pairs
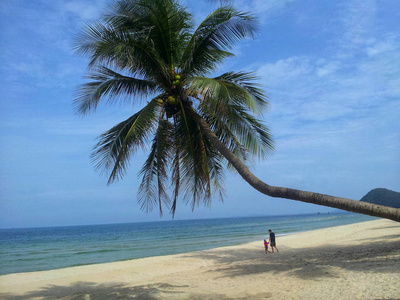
{"points": [[38, 249]]}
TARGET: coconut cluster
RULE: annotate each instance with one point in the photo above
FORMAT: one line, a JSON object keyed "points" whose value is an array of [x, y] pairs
{"points": [[177, 80], [171, 102]]}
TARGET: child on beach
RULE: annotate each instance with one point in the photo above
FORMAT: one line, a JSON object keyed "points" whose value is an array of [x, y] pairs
{"points": [[266, 246]]}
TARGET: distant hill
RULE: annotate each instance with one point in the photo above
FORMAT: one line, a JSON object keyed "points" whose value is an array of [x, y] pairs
{"points": [[383, 197]]}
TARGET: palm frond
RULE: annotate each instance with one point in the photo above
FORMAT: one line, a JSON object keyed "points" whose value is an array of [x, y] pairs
{"points": [[215, 169], [227, 103], [235, 125], [123, 48], [171, 24], [111, 85], [125, 13], [198, 162], [154, 171], [211, 90], [224, 132], [251, 133], [163, 23], [115, 147], [215, 35], [247, 89], [191, 161], [231, 87], [176, 179]]}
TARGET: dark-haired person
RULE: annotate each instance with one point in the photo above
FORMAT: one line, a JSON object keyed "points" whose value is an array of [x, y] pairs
{"points": [[272, 241]]}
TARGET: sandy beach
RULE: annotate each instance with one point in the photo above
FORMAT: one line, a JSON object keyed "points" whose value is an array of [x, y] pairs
{"points": [[358, 261]]}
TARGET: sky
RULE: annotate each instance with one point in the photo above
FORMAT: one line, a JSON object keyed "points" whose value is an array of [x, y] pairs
{"points": [[331, 70]]}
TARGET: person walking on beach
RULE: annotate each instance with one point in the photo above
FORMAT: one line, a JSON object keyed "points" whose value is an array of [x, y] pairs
{"points": [[272, 241], [266, 246]]}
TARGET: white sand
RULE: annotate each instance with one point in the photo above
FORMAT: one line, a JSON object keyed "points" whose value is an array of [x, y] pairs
{"points": [[359, 261]]}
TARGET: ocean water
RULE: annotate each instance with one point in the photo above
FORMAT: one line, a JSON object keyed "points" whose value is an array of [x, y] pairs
{"points": [[37, 249]]}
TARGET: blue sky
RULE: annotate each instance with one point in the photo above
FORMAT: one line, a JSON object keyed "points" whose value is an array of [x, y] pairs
{"points": [[331, 70]]}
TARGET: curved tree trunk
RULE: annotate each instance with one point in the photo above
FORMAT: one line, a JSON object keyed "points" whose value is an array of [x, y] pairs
{"points": [[288, 193]]}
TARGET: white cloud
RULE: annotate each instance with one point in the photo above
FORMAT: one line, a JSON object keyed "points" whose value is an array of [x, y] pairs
{"points": [[335, 111], [328, 68], [318, 88], [85, 10], [262, 8], [285, 70], [358, 19], [387, 44]]}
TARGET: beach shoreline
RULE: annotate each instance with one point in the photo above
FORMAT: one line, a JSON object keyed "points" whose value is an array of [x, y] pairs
{"points": [[356, 261]]}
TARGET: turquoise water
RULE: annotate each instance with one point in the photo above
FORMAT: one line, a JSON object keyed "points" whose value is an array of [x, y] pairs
{"points": [[36, 249]]}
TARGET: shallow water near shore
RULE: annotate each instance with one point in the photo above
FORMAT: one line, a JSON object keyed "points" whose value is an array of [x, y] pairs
{"points": [[37, 249]]}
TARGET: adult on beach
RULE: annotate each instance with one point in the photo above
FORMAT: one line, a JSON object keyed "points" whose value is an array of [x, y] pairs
{"points": [[272, 241]]}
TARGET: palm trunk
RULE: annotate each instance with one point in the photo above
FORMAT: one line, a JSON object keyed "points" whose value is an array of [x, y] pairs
{"points": [[288, 193]]}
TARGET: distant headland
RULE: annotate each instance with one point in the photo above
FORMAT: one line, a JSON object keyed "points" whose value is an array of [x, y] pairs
{"points": [[383, 197]]}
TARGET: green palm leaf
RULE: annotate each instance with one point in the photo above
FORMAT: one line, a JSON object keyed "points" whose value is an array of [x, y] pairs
{"points": [[160, 26], [215, 35], [231, 87], [200, 168], [124, 48], [224, 132], [115, 147], [112, 85], [154, 171], [248, 89]]}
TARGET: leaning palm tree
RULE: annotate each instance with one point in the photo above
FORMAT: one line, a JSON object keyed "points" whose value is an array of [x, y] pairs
{"points": [[149, 53]]}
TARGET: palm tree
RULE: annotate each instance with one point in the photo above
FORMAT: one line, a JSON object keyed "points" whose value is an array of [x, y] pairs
{"points": [[196, 125]]}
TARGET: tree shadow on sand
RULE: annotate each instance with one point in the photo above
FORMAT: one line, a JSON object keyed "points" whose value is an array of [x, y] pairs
{"points": [[89, 290], [385, 227], [307, 263]]}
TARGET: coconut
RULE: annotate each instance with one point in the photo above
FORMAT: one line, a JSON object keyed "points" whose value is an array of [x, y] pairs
{"points": [[172, 100]]}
